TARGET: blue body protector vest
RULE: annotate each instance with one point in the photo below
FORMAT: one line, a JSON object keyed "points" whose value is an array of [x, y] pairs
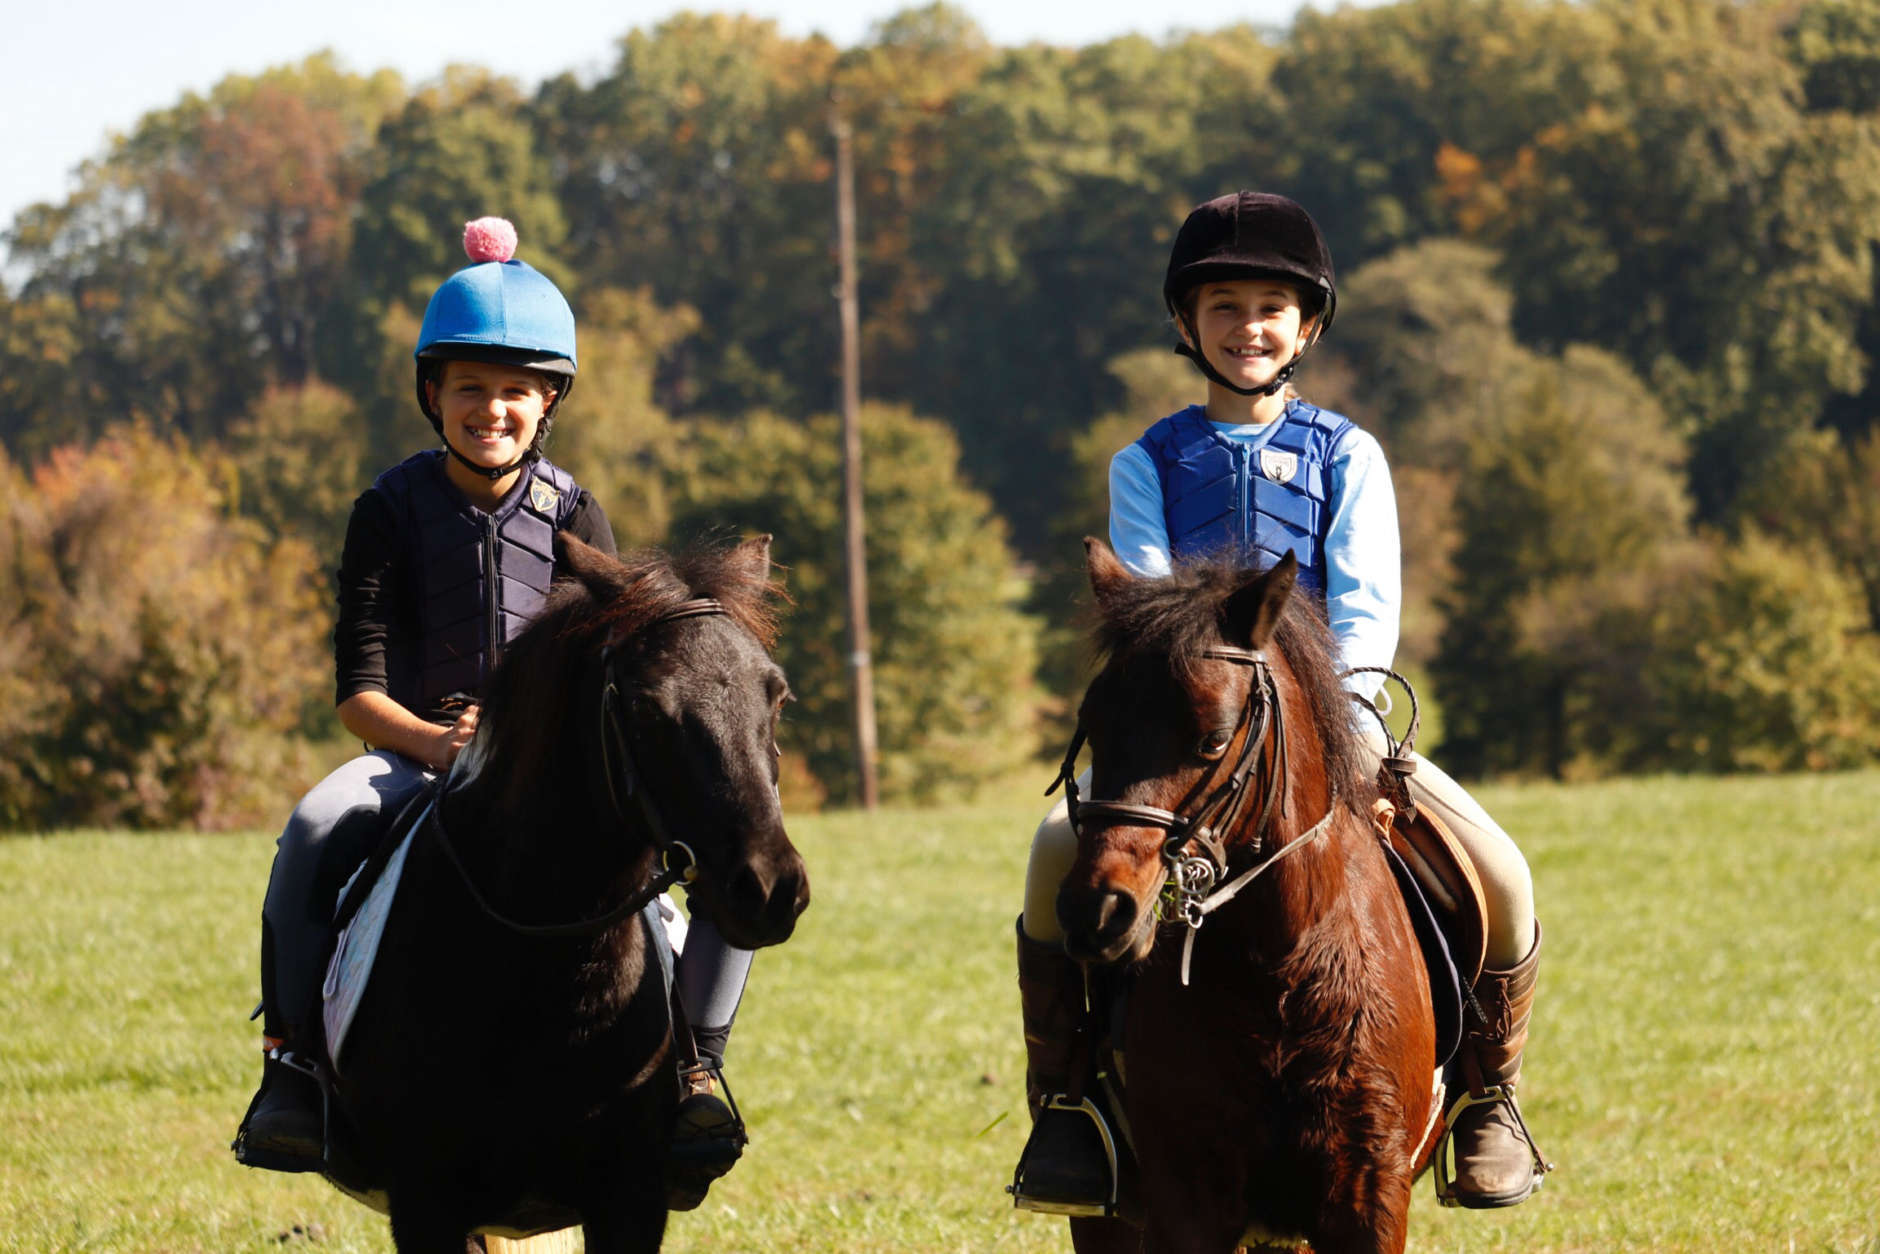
{"points": [[476, 579], [1259, 503]]}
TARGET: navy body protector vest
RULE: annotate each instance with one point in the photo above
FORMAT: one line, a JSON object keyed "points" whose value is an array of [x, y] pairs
{"points": [[475, 579], [1219, 496]]}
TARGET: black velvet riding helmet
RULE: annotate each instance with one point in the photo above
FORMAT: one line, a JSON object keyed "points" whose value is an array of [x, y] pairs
{"points": [[1250, 235]]}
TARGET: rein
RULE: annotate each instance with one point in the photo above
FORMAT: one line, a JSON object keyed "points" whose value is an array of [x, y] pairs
{"points": [[678, 863], [1193, 884]]}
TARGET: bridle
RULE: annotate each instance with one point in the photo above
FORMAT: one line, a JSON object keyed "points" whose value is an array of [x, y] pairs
{"points": [[1194, 851], [677, 862]]}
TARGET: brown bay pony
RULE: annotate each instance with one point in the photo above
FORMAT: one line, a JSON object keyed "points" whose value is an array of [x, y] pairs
{"points": [[511, 1068], [1276, 1044]]}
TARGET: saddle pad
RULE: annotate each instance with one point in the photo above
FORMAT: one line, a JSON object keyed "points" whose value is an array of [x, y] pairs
{"points": [[1450, 886], [1445, 987], [358, 945]]}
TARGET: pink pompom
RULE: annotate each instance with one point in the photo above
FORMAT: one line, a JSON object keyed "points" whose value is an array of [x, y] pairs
{"points": [[490, 239]]}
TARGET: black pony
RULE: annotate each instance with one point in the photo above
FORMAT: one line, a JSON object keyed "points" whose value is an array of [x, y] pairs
{"points": [[511, 1067]]}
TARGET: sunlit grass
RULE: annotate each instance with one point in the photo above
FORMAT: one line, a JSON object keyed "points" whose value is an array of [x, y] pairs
{"points": [[1703, 1065]]}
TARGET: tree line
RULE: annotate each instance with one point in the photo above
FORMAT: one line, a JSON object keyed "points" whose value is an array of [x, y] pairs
{"points": [[1608, 297]]}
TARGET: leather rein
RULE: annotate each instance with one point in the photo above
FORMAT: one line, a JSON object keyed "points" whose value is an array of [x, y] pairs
{"points": [[677, 863], [1195, 852]]}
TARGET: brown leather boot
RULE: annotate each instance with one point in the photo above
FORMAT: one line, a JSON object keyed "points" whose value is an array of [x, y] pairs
{"points": [[1497, 1162], [1069, 1163]]}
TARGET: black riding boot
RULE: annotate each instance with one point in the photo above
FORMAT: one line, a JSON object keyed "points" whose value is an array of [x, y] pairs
{"points": [[285, 1128], [1068, 1166], [708, 1135]]}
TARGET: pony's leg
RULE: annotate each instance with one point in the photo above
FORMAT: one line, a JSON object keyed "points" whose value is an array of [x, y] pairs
{"points": [[623, 1206], [1105, 1236], [1365, 1215], [425, 1230], [637, 1227], [1192, 1223]]}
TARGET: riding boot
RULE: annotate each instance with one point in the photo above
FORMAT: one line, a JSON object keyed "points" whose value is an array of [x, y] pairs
{"points": [[1497, 1162], [1068, 1166], [285, 1127], [708, 1134], [708, 1138]]}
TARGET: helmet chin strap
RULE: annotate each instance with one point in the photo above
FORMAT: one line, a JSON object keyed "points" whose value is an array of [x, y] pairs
{"points": [[528, 455], [1280, 380], [492, 473], [1214, 376]]}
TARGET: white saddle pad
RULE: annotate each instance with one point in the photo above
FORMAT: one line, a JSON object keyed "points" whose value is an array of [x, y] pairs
{"points": [[358, 945]]}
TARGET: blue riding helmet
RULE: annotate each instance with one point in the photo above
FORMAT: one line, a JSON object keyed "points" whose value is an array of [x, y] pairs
{"points": [[499, 310]]}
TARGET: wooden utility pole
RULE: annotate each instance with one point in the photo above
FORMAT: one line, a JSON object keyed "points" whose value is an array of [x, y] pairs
{"points": [[852, 461]]}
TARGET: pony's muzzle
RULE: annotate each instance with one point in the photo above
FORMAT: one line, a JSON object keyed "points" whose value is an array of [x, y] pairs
{"points": [[1100, 924], [762, 897]]}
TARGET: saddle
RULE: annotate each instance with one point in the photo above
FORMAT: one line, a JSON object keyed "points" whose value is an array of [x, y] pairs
{"points": [[1442, 870]]}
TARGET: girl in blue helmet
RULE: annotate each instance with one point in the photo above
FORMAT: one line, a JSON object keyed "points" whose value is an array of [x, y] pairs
{"points": [[448, 555], [1261, 472]]}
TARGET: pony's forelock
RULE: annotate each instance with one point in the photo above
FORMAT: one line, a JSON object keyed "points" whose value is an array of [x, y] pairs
{"points": [[646, 586], [653, 583], [1178, 617]]}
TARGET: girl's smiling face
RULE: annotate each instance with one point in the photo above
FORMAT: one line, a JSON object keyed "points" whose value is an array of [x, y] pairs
{"points": [[490, 412], [1249, 329]]}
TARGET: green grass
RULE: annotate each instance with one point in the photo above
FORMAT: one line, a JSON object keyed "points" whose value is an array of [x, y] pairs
{"points": [[1703, 1066]]}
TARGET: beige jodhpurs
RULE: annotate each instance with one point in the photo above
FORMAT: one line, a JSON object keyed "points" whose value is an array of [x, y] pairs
{"points": [[1506, 884]]}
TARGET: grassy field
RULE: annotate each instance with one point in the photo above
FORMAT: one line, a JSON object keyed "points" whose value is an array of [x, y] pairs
{"points": [[1703, 1067]]}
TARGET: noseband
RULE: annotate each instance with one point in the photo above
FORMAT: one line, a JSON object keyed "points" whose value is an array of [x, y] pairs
{"points": [[1194, 851], [677, 861]]}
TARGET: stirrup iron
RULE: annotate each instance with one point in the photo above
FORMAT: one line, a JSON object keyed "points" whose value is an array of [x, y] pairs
{"points": [[1082, 1210], [1443, 1159]]}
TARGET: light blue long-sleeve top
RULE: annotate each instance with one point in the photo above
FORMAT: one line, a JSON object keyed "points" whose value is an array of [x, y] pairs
{"points": [[1363, 576]]}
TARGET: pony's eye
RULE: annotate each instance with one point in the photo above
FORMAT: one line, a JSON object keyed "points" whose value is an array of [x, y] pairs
{"points": [[1214, 744]]}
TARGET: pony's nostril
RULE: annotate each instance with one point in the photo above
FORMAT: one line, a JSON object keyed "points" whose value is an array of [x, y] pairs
{"points": [[748, 892], [1116, 914]]}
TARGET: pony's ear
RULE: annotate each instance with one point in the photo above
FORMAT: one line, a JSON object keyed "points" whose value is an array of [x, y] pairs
{"points": [[1252, 611], [1107, 573], [592, 567], [749, 563]]}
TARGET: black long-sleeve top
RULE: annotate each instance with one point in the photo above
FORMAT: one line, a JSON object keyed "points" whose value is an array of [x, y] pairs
{"points": [[377, 626]]}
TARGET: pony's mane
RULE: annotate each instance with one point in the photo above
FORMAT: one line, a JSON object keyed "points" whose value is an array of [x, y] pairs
{"points": [[1178, 617], [657, 582], [526, 695]]}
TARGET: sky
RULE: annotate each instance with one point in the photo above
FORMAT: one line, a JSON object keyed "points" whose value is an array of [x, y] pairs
{"points": [[81, 70]]}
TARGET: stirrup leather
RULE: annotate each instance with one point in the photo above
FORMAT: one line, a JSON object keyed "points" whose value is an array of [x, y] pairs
{"points": [[1084, 1210], [1443, 1160]]}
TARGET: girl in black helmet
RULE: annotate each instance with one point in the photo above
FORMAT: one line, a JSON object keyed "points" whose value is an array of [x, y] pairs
{"points": [[448, 555], [1260, 472]]}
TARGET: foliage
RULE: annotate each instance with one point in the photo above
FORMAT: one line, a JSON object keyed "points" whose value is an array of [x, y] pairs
{"points": [[202, 259], [299, 462], [952, 656], [1689, 187], [157, 647], [610, 433], [1822, 491], [1579, 485], [1770, 664]]}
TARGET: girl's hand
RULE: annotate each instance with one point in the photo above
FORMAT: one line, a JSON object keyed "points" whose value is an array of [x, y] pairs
{"points": [[451, 740]]}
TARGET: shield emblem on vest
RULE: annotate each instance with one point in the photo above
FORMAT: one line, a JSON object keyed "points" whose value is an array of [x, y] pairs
{"points": [[1278, 466], [543, 497]]}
